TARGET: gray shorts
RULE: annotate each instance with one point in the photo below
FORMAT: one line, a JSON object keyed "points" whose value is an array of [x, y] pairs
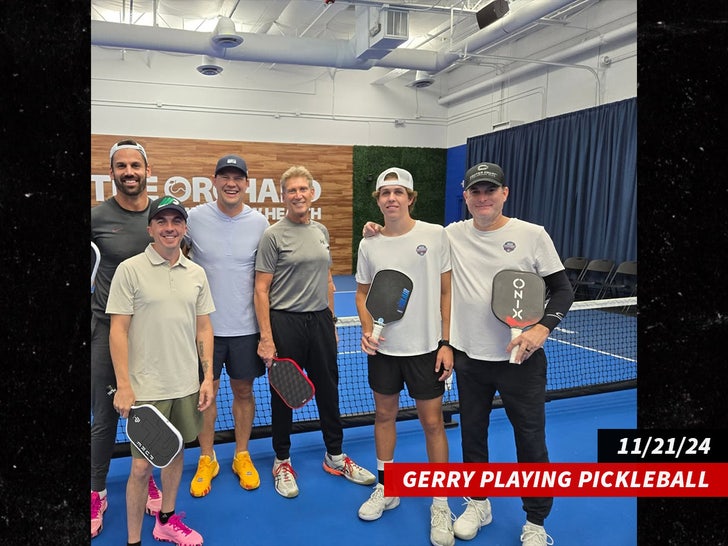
{"points": [[389, 374]]}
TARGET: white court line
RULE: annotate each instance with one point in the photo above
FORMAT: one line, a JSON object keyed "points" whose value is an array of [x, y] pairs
{"points": [[594, 350]]}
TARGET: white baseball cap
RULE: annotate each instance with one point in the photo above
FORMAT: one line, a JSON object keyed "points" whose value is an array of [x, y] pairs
{"points": [[404, 178]]}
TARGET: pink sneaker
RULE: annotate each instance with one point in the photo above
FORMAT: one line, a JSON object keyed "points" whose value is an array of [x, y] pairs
{"points": [[154, 498], [177, 532], [98, 507]]}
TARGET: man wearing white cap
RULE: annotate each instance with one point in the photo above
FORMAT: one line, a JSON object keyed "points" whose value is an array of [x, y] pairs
{"points": [[413, 351], [119, 230]]}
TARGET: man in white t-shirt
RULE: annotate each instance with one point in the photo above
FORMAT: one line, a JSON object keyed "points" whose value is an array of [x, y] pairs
{"points": [[414, 351], [481, 247]]}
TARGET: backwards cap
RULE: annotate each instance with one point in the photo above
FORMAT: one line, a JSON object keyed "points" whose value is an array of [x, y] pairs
{"points": [[116, 147]]}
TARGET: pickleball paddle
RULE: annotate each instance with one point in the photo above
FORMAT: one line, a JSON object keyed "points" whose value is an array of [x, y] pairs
{"points": [[518, 301], [387, 299]]}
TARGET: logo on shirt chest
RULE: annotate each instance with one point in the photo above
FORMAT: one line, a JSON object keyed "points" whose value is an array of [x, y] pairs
{"points": [[421, 250], [509, 246]]}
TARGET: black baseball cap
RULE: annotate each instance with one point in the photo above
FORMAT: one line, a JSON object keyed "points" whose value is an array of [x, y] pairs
{"points": [[232, 161], [484, 172], [166, 203]]}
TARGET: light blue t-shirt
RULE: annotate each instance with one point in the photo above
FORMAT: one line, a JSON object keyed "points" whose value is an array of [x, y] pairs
{"points": [[225, 247]]}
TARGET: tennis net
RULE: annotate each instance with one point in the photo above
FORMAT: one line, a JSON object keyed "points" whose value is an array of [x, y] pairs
{"points": [[594, 349]]}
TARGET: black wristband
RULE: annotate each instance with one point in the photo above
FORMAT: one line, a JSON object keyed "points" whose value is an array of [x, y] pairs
{"points": [[444, 343]]}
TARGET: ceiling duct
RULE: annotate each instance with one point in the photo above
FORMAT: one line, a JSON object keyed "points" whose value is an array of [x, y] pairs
{"points": [[318, 52]]}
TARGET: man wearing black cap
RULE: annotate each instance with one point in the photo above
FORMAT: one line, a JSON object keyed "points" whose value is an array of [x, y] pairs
{"points": [[481, 247], [223, 238], [160, 305]]}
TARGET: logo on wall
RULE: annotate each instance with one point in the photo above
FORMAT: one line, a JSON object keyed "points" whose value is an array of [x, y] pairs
{"points": [[199, 189]]}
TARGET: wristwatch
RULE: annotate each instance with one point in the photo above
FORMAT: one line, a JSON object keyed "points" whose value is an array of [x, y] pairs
{"points": [[444, 343]]}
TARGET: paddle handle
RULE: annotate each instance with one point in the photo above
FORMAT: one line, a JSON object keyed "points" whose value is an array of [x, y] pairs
{"points": [[515, 332], [377, 331]]}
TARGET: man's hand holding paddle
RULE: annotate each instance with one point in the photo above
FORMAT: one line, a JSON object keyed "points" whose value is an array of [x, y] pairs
{"points": [[518, 302]]}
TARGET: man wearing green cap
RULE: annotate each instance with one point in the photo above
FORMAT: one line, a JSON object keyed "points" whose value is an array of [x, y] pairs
{"points": [[160, 305]]}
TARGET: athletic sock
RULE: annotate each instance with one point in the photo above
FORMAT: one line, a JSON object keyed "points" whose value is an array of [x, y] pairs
{"points": [[164, 517], [440, 501], [380, 469]]}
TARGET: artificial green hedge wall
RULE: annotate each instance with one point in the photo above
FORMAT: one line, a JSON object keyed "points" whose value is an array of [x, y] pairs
{"points": [[428, 168]]}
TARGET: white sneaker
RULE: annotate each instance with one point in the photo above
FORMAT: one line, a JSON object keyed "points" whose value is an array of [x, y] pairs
{"points": [[285, 478], [376, 504], [535, 535], [349, 469], [477, 514], [441, 526]]}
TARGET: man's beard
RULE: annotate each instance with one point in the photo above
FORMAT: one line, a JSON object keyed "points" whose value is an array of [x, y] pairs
{"points": [[128, 191]]}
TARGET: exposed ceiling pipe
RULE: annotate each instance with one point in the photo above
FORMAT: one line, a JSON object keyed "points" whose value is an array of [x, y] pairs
{"points": [[312, 51], [613, 36], [514, 21]]}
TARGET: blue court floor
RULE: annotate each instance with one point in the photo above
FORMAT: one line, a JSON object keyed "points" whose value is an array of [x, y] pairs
{"points": [[325, 512]]}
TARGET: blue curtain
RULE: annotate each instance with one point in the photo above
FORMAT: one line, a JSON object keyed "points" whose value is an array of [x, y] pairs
{"points": [[576, 175]]}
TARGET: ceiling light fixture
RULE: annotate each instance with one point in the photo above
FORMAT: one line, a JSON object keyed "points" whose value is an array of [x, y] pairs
{"points": [[422, 80], [224, 34], [209, 66]]}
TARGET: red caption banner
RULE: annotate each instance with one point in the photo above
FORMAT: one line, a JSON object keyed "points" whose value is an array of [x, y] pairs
{"points": [[556, 480]]}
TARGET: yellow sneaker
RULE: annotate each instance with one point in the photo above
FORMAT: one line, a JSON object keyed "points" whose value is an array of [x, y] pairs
{"points": [[207, 469], [244, 469]]}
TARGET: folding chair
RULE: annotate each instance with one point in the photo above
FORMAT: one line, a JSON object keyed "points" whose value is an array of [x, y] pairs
{"points": [[95, 259], [592, 282], [575, 267], [623, 281]]}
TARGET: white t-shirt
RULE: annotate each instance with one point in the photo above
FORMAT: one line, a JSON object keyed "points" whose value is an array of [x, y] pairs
{"points": [[422, 254], [476, 258]]}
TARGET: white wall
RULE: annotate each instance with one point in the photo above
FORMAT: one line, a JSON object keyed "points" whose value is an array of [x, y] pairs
{"points": [[157, 94]]}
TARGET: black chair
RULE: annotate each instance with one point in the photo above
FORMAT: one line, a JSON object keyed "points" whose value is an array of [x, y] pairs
{"points": [[592, 282], [575, 267], [623, 282]]}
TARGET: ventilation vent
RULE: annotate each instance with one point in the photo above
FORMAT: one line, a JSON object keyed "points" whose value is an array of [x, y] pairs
{"points": [[422, 80]]}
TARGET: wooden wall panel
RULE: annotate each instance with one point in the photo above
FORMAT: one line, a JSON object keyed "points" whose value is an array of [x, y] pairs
{"points": [[184, 168]]}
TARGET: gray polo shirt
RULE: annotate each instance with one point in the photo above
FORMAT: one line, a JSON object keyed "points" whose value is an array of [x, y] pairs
{"points": [[164, 303]]}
